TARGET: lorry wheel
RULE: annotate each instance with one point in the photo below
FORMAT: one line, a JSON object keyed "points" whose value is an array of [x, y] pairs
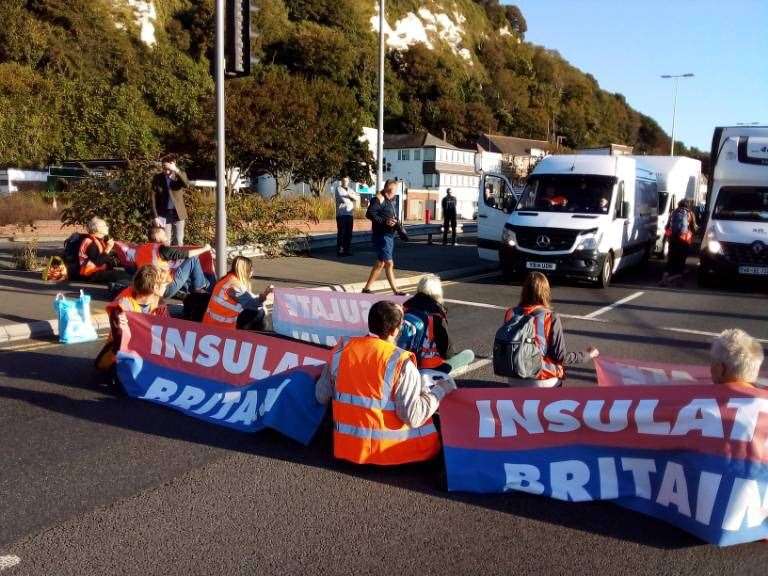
{"points": [[606, 272]]}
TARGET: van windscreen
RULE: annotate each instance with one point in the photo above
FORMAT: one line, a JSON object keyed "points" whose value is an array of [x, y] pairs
{"points": [[747, 203], [578, 193]]}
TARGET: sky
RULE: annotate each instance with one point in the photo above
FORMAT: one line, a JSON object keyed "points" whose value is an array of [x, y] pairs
{"points": [[627, 44]]}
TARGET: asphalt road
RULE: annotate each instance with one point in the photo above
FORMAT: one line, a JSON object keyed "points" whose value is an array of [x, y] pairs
{"points": [[92, 484]]}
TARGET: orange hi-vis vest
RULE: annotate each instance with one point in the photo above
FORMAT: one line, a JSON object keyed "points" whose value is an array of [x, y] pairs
{"points": [[543, 330], [149, 253], [429, 356], [223, 310], [366, 428], [88, 268]]}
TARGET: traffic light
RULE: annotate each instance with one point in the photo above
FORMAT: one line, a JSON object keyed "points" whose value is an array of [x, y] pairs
{"points": [[237, 39]]}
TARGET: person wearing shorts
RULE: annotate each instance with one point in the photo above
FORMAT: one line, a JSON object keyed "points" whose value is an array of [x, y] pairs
{"points": [[381, 212]]}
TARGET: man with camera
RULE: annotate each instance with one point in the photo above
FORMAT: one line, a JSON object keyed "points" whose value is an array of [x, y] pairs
{"points": [[385, 224], [167, 198]]}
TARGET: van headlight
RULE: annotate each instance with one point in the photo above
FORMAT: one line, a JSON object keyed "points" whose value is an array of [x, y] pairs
{"points": [[589, 241], [713, 244], [508, 237]]}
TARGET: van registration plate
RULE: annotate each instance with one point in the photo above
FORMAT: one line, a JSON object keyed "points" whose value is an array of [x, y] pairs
{"points": [[540, 265], [754, 270]]}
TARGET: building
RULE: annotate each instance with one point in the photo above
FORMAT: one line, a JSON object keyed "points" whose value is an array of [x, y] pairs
{"points": [[17, 180], [514, 157], [609, 150], [428, 166]]}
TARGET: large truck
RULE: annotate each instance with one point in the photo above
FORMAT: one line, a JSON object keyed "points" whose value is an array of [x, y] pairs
{"points": [[735, 242], [678, 178], [579, 216]]}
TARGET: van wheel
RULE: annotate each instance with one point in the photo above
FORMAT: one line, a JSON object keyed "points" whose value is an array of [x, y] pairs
{"points": [[606, 272], [704, 279]]}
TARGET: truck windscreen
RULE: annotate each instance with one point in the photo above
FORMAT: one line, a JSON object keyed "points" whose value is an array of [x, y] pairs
{"points": [[575, 193], [747, 203]]}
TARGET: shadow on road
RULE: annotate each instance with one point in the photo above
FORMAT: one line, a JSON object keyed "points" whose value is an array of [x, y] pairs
{"points": [[427, 478]]}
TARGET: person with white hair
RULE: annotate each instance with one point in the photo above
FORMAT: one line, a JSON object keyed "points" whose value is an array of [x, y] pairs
{"points": [[96, 253], [436, 349], [736, 358]]}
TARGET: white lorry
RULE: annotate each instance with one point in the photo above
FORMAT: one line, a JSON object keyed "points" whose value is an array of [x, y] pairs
{"points": [[580, 216], [735, 242], [678, 178]]}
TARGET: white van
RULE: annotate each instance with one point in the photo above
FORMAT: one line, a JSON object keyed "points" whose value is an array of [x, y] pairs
{"points": [[678, 178], [580, 216], [735, 241]]}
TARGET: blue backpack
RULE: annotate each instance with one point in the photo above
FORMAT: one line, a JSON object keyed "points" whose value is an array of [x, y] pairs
{"points": [[413, 331]]}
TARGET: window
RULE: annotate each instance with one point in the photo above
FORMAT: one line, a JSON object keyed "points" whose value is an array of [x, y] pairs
{"points": [[497, 194], [646, 198], [417, 154], [619, 201], [429, 154], [403, 154], [743, 203], [574, 193]]}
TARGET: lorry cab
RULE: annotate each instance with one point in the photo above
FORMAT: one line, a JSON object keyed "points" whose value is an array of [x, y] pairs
{"points": [[735, 242], [580, 216]]}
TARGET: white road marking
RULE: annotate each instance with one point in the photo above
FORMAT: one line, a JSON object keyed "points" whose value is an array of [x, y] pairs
{"points": [[616, 304], [476, 365], [701, 333], [9, 562], [496, 307]]}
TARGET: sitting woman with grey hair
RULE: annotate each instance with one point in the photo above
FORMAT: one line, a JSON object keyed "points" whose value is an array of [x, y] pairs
{"points": [[436, 351], [96, 257], [736, 358]]}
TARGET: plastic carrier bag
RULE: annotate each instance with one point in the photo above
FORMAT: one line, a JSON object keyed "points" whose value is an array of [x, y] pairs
{"points": [[75, 323]]}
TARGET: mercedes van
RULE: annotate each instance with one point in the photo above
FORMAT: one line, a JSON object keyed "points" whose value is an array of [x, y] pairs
{"points": [[580, 216]]}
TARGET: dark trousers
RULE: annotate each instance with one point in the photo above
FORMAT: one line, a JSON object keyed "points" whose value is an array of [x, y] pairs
{"points": [[449, 221], [678, 252], [251, 320], [344, 226]]}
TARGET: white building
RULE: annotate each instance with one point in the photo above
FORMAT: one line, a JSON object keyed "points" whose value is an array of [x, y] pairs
{"points": [[428, 166], [15, 180]]}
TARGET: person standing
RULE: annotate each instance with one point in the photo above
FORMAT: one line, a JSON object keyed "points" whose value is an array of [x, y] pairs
{"points": [[449, 217], [679, 233], [383, 215], [168, 208], [345, 216], [382, 414]]}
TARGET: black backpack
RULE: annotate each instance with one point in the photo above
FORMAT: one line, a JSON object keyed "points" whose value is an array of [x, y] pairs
{"points": [[71, 254], [515, 352]]}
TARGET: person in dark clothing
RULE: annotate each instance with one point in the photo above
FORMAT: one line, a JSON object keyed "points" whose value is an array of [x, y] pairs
{"points": [[449, 217], [679, 232], [383, 216], [346, 198], [167, 199], [437, 349]]}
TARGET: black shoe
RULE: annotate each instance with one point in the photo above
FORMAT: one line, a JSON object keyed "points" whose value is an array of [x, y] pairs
{"points": [[366, 291]]}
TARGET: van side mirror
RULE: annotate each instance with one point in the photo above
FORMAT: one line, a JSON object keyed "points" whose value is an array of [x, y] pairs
{"points": [[625, 209]]}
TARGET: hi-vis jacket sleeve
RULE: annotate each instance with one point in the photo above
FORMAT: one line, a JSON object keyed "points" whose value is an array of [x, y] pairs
{"points": [[414, 405]]}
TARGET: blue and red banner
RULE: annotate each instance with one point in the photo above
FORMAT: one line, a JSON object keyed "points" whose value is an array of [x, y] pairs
{"points": [[694, 456], [232, 378], [323, 317]]}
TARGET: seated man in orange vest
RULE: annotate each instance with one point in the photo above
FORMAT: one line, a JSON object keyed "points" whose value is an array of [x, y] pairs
{"points": [[144, 296], [159, 253], [382, 414]]}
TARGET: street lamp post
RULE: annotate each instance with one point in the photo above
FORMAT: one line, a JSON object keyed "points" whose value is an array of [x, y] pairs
{"points": [[675, 77], [221, 210], [380, 136]]}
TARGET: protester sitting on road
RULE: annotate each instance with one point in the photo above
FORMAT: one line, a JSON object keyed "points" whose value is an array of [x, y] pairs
{"points": [[143, 296], [95, 256], [232, 303], [436, 351], [679, 233], [535, 300], [159, 253], [381, 412], [736, 358]]}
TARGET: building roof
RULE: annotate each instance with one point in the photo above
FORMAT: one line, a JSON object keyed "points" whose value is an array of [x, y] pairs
{"points": [[510, 144], [417, 140]]}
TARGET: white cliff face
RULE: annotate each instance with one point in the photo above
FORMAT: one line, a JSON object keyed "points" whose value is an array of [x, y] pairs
{"points": [[422, 28], [145, 13]]}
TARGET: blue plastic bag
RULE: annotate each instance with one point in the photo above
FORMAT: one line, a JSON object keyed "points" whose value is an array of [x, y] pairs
{"points": [[75, 323]]}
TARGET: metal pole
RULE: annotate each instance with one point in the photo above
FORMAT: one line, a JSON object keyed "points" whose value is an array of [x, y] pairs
{"points": [[674, 115], [380, 136], [221, 165]]}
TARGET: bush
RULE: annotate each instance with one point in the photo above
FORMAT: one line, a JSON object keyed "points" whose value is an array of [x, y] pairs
{"points": [[324, 208], [25, 208], [25, 258]]}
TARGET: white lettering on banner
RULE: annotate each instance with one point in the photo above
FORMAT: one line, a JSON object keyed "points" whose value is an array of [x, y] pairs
{"points": [[746, 504], [644, 375], [704, 416], [570, 480], [331, 309], [523, 477], [246, 406], [313, 338], [235, 357]]}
